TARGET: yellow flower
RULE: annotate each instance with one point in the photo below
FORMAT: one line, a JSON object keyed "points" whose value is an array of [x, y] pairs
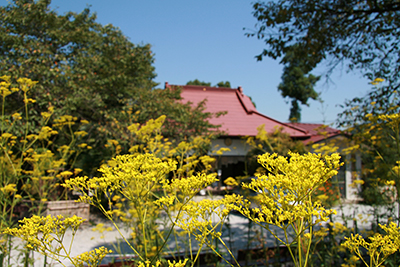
{"points": [[231, 182], [10, 188], [92, 258], [392, 183], [80, 133], [17, 116], [26, 84], [66, 174], [283, 193], [46, 132], [83, 145], [6, 135], [39, 232], [379, 247]]}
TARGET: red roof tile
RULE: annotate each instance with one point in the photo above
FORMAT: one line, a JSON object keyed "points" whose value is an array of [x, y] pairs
{"points": [[316, 132], [242, 118]]}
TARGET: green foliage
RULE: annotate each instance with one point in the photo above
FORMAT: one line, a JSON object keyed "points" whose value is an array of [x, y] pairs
{"points": [[197, 82], [322, 28], [82, 67], [295, 112], [32, 164], [362, 34], [89, 71], [225, 84], [374, 125], [296, 84]]}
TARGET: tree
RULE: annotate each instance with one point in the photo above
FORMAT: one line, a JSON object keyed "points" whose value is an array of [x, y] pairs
{"points": [[90, 71], [82, 67], [197, 82], [296, 84], [226, 84], [362, 34]]}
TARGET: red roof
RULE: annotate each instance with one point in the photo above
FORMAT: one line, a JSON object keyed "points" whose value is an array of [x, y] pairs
{"points": [[242, 118], [316, 132]]}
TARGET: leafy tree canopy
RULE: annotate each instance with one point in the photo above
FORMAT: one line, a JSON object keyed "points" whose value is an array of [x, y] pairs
{"points": [[226, 84], [363, 34], [81, 66], [90, 71], [197, 82], [297, 84]]}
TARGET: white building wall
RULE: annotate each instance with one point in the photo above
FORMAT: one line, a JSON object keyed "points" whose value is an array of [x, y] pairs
{"points": [[237, 147]]}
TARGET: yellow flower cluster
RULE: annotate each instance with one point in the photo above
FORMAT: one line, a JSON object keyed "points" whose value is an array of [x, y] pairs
{"points": [[45, 235], [284, 192], [65, 120], [230, 181], [4, 86], [174, 263], [338, 228], [26, 84], [206, 217], [9, 189], [46, 132], [91, 258], [379, 247], [148, 264], [190, 186], [40, 233], [132, 175], [148, 137]]}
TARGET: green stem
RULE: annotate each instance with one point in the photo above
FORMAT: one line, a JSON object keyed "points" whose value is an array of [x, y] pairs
{"points": [[309, 245], [26, 260], [9, 249], [119, 231], [299, 243], [229, 251], [197, 255]]}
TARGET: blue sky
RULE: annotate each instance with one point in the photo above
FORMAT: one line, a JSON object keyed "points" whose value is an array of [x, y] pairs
{"points": [[205, 40]]}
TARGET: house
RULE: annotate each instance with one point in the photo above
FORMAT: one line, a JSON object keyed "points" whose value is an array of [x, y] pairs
{"points": [[242, 119]]}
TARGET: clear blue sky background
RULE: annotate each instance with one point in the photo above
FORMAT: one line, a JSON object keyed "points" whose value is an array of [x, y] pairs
{"points": [[206, 40]]}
